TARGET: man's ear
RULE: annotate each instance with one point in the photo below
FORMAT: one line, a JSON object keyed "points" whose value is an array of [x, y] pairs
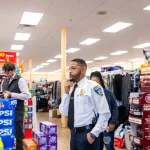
{"points": [[84, 70]]}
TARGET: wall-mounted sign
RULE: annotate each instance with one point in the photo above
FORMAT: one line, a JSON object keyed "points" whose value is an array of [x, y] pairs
{"points": [[7, 57]]}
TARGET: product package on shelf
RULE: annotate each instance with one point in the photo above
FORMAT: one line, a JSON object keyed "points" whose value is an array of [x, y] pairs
{"points": [[7, 121], [29, 144], [140, 120], [46, 138], [119, 140], [28, 124]]}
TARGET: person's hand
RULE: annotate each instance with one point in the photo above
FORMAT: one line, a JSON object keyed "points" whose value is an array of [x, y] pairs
{"points": [[111, 127], [7, 94], [68, 85], [90, 139]]}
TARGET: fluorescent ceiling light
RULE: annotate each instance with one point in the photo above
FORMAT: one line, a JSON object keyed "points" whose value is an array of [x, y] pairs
{"points": [[106, 65], [35, 69], [96, 68], [101, 58], [72, 50], [17, 54], [58, 56], [119, 52], [22, 36], [117, 27], [39, 66], [137, 59], [147, 8], [30, 18], [142, 45], [17, 47], [44, 64], [89, 41], [119, 63], [88, 62], [51, 60]]}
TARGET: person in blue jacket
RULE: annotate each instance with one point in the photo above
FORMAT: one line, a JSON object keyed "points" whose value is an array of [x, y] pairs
{"points": [[107, 137]]}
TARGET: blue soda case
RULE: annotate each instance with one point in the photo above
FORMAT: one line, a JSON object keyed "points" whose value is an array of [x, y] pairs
{"points": [[7, 113], [4, 123], [8, 103]]}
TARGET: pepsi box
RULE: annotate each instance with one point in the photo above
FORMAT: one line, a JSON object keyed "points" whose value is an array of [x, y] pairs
{"points": [[52, 139], [42, 147], [52, 147], [7, 131], [4, 123], [8, 103], [40, 138], [7, 113], [8, 141], [48, 128]]}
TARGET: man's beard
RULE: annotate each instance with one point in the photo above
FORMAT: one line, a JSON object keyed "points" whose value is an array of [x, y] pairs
{"points": [[75, 78]]}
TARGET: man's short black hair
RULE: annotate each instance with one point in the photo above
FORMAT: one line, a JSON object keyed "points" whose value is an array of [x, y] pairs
{"points": [[8, 66], [80, 61], [99, 76]]}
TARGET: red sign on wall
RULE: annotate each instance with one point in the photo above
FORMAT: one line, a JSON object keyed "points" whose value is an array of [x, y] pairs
{"points": [[7, 57]]}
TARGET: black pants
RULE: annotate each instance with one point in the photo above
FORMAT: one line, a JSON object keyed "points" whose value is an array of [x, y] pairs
{"points": [[19, 129], [79, 142]]}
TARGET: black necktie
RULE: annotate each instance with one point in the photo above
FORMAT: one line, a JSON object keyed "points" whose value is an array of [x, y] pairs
{"points": [[71, 109]]}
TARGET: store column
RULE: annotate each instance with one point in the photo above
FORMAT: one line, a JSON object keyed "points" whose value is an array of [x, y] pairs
{"points": [[63, 69], [30, 71], [132, 65]]}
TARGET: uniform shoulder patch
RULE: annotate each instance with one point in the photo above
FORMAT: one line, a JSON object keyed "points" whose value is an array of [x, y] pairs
{"points": [[98, 90]]}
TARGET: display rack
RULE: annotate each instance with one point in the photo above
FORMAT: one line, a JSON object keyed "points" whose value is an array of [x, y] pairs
{"points": [[140, 113]]}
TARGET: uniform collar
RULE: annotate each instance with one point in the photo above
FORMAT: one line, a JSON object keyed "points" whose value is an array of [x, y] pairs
{"points": [[81, 82]]}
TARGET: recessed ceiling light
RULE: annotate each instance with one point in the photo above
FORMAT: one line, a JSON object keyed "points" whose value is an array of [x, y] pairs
{"points": [[117, 27], [137, 59], [51, 60], [89, 41], [119, 63], [72, 50], [119, 52], [147, 8], [58, 56], [17, 54], [22, 36], [88, 62], [17, 47], [101, 12], [30, 18], [44, 64], [142, 45], [39, 66], [101, 58]]}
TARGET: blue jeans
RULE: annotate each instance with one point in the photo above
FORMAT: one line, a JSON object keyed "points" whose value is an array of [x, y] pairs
{"points": [[107, 139]]}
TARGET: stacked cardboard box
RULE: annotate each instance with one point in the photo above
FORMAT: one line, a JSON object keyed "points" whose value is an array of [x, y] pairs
{"points": [[46, 138]]}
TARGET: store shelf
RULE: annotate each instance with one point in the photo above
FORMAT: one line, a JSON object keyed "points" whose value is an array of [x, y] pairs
{"points": [[135, 120], [135, 101], [137, 140]]}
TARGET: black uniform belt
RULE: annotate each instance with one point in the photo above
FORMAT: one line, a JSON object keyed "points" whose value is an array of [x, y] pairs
{"points": [[82, 129]]}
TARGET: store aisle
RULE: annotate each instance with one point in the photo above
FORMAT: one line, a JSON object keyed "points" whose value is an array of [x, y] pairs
{"points": [[63, 133]]}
